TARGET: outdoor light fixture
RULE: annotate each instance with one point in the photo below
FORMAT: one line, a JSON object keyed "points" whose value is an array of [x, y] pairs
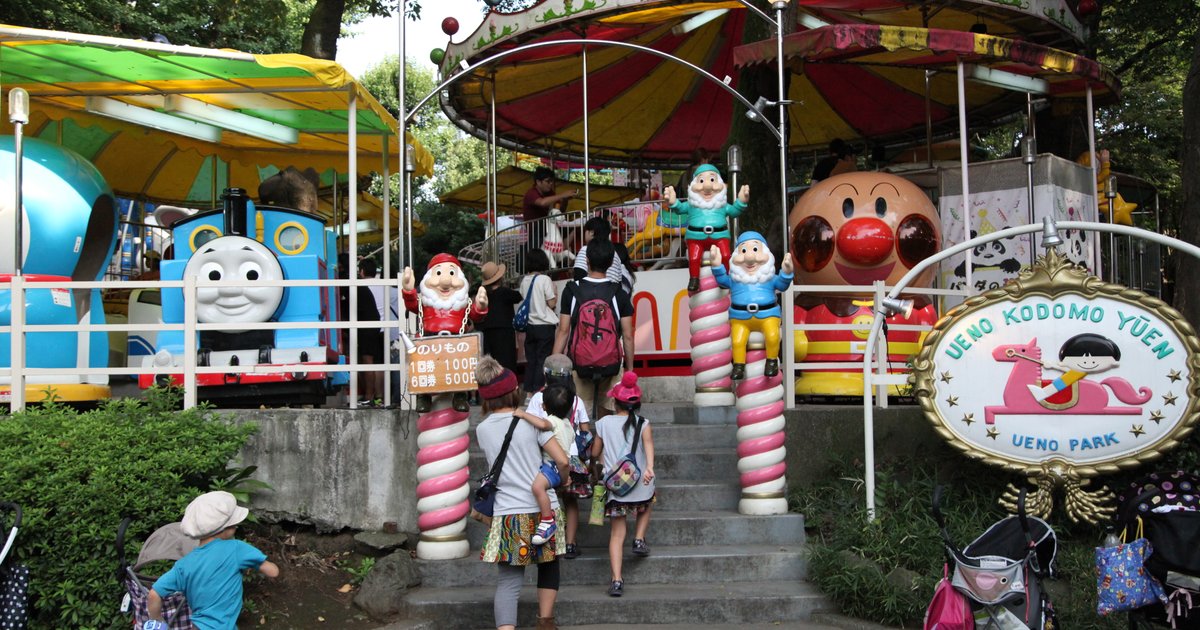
{"points": [[1110, 190], [409, 346], [1009, 80], [733, 158], [1028, 149], [895, 306], [120, 110], [698, 20], [1050, 237], [410, 158], [756, 113], [812, 21], [18, 106], [780, 4], [202, 112]]}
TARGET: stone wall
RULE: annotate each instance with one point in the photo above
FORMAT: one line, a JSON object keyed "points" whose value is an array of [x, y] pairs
{"points": [[335, 468]]}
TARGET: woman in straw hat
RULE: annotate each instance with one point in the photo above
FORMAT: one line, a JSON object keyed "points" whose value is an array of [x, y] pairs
{"points": [[499, 338]]}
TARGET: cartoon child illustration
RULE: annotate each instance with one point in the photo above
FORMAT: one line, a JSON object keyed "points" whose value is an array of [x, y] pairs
{"points": [[1083, 354]]}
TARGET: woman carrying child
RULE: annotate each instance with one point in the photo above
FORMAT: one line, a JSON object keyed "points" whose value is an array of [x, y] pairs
{"points": [[557, 370], [516, 514], [614, 439]]}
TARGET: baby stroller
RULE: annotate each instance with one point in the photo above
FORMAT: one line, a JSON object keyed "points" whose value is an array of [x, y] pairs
{"points": [[14, 578], [1001, 571], [1169, 508], [167, 543]]}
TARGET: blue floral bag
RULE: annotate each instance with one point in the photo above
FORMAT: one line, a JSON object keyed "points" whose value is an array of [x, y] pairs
{"points": [[1122, 581]]}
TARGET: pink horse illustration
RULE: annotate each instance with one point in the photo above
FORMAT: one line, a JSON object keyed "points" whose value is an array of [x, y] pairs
{"points": [[1083, 398]]}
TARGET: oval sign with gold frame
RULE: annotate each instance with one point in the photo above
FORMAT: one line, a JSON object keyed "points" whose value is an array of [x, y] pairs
{"points": [[1061, 377]]}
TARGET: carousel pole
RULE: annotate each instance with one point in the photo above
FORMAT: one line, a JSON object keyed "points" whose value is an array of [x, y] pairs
{"points": [[18, 115], [781, 6], [387, 274], [1029, 157], [760, 435], [966, 191], [587, 191], [1092, 159]]}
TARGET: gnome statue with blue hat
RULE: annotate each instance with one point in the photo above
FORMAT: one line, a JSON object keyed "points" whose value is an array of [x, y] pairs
{"points": [[706, 215], [752, 284]]}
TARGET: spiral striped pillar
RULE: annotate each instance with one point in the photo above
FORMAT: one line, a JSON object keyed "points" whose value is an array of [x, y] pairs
{"points": [[442, 488], [712, 355], [760, 435]]}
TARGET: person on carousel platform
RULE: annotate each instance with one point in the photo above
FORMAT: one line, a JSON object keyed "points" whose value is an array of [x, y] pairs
{"points": [[706, 214], [443, 307], [753, 283]]}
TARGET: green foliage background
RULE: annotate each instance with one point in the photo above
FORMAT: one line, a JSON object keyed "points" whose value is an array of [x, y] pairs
{"points": [[76, 475], [885, 570]]}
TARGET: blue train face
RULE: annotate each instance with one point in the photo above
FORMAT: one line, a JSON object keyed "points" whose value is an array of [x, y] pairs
{"points": [[242, 259]]}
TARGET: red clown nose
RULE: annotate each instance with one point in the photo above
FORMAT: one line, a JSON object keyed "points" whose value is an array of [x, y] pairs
{"points": [[865, 241]]}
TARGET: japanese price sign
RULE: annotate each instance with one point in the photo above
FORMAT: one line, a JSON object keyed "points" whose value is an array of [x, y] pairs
{"points": [[443, 364]]}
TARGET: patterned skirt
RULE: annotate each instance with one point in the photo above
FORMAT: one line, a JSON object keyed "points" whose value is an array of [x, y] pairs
{"points": [[620, 509], [508, 540]]}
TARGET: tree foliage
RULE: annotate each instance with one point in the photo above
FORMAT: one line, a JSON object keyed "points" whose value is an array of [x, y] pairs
{"points": [[257, 26]]}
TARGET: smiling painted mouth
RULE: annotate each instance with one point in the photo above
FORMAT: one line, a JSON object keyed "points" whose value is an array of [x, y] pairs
{"points": [[861, 277], [233, 309]]}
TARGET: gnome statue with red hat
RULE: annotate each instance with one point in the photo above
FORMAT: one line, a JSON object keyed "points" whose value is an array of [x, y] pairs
{"points": [[443, 305]]}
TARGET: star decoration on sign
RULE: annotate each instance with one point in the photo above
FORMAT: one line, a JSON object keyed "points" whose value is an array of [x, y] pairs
{"points": [[968, 418], [993, 432], [1157, 416], [1137, 430], [1174, 375], [952, 401], [946, 377], [1169, 398]]}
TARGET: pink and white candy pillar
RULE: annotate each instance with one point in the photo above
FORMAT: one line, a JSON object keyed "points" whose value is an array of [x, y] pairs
{"points": [[442, 476], [760, 434], [712, 347]]}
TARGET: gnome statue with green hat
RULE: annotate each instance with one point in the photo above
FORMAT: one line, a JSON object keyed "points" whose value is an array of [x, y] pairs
{"points": [[706, 215]]}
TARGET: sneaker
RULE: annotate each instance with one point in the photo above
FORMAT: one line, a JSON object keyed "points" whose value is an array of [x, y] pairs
{"points": [[545, 531], [640, 548], [616, 589], [572, 551]]}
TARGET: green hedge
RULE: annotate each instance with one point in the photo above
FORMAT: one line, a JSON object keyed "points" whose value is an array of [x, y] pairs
{"points": [[885, 570], [77, 474]]}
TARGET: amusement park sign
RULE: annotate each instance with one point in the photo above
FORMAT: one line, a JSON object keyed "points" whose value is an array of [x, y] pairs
{"points": [[1061, 377]]}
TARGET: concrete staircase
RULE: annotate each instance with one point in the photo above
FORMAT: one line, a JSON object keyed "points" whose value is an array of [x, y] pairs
{"points": [[708, 564]]}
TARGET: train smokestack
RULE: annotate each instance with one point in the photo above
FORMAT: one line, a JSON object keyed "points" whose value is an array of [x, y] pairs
{"points": [[235, 200]]}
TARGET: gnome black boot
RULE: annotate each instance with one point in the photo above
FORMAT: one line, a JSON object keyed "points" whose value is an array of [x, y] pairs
{"points": [[772, 367], [693, 285], [459, 402], [424, 403], [739, 371]]}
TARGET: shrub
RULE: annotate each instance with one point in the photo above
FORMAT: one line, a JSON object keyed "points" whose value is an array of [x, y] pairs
{"points": [[77, 474], [885, 571]]}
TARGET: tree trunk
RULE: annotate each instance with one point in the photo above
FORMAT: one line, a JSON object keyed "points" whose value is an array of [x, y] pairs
{"points": [[322, 30], [1187, 276]]}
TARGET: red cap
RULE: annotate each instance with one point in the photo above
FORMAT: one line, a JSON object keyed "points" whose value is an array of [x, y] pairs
{"points": [[444, 258], [627, 391]]}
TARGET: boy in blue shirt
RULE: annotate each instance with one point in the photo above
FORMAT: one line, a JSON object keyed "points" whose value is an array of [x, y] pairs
{"points": [[210, 577]]}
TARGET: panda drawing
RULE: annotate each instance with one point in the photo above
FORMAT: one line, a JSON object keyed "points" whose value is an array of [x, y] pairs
{"points": [[990, 266]]}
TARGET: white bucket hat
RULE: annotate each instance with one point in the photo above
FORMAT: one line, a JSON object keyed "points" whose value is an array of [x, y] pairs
{"points": [[210, 513]]}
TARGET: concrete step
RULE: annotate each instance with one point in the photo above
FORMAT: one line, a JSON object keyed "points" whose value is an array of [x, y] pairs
{"points": [[779, 625], [642, 604], [716, 528], [666, 564]]}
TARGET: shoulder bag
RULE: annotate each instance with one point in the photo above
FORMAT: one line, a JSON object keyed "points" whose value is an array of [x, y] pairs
{"points": [[485, 496], [624, 477], [521, 318]]}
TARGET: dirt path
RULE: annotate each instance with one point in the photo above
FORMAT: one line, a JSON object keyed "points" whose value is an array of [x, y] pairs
{"points": [[317, 581]]}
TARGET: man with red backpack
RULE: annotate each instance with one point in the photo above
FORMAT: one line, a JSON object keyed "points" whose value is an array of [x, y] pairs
{"points": [[595, 328]]}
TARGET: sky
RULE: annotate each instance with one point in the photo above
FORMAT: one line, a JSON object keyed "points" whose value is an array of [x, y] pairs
{"points": [[376, 38]]}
